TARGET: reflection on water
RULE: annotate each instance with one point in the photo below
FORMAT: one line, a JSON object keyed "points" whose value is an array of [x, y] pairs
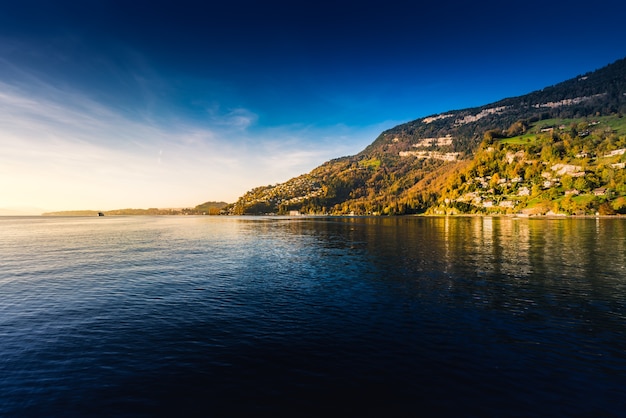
{"points": [[226, 316]]}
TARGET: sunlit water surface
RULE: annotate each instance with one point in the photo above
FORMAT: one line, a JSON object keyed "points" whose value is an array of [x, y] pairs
{"points": [[225, 316]]}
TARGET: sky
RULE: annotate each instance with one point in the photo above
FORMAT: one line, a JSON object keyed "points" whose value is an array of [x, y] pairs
{"points": [[140, 104]]}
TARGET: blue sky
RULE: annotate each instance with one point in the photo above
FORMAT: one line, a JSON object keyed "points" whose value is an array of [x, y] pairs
{"points": [[115, 104]]}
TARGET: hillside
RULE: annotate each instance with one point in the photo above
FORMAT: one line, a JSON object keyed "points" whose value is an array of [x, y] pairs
{"points": [[559, 166], [473, 160], [207, 208]]}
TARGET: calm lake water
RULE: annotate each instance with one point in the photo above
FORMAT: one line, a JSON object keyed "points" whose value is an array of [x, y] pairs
{"points": [[227, 316]]}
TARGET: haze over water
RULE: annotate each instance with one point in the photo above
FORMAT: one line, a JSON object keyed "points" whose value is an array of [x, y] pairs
{"points": [[223, 316]]}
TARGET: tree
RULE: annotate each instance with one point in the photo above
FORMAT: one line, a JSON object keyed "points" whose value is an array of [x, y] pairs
{"points": [[619, 205], [581, 184], [495, 180], [605, 209], [567, 181], [517, 128], [567, 205]]}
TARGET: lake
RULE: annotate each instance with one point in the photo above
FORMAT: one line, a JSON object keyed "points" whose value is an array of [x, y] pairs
{"points": [[272, 316]]}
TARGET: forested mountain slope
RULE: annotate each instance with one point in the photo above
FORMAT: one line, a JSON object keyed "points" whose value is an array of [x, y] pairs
{"points": [[559, 149]]}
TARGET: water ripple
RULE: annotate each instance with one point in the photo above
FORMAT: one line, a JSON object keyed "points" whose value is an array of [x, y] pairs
{"points": [[145, 316]]}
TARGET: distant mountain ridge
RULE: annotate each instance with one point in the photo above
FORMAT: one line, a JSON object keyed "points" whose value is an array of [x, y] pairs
{"points": [[206, 208], [418, 166]]}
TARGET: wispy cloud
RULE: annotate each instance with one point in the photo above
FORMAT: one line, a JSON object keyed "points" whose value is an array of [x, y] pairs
{"points": [[62, 149], [238, 119]]}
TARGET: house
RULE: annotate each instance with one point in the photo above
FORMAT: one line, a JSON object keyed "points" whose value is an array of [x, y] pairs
{"points": [[600, 191]]}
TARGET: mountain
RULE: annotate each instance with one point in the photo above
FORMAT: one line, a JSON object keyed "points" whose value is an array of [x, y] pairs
{"points": [[210, 208], [207, 208], [521, 154]]}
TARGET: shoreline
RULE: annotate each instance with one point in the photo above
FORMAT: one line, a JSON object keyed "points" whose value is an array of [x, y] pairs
{"points": [[307, 216]]}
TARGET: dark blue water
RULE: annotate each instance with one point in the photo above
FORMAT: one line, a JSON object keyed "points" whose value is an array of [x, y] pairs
{"points": [[223, 316]]}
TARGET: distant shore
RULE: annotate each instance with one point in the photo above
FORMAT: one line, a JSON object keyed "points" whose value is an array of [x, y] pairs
{"points": [[169, 212]]}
